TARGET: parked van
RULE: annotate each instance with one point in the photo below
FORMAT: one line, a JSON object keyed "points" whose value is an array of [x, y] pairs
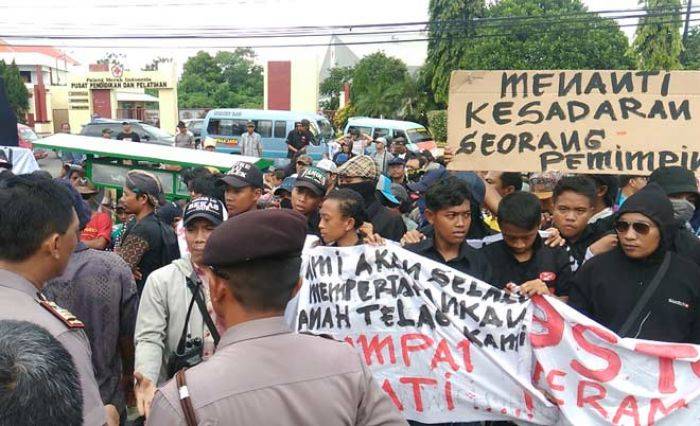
{"points": [[227, 125], [414, 133]]}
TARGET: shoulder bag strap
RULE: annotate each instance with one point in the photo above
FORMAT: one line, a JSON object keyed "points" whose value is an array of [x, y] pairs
{"points": [[185, 400], [193, 283], [646, 296], [183, 336]]}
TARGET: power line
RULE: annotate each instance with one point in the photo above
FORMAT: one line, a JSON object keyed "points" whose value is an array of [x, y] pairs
{"points": [[542, 20], [594, 27]]}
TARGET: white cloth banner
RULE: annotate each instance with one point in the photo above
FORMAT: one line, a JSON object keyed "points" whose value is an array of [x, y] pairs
{"points": [[446, 347], [22, 159]]}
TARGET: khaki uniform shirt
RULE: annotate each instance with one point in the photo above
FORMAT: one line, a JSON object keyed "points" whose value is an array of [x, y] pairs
{"points": [[18, 301], [263, 374]]}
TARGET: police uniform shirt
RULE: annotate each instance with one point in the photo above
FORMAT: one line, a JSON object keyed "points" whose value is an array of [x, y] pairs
{"points": [[262, 373], [550, 264], [19, 300]]}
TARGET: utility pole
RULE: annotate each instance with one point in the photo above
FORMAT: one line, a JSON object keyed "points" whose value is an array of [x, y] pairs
{"points": [[685, 29]]}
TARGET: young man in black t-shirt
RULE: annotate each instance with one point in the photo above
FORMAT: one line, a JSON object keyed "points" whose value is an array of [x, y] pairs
{"points": [[127, 134], [521, 258], [146, 243]]}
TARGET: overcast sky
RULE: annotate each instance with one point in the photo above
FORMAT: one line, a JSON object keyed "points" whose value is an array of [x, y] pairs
{"points": [[139, 17]]}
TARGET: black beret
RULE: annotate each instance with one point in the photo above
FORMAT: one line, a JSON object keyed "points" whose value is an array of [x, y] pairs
{"points": [[256, 234]]}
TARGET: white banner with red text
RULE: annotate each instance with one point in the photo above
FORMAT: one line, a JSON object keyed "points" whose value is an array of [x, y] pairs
{"points": [[446, 347]]}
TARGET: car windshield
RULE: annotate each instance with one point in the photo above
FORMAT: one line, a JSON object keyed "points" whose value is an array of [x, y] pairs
{"points": [[28, 135], [325, 128], [418, 135], [158, 133]]}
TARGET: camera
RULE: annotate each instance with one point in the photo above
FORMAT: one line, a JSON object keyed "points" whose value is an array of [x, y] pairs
{"points": [[190, 356]]}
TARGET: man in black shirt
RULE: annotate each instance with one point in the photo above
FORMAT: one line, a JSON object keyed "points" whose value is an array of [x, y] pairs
{"points": [[608, 287], [448, 209], [574, 198], [127, 134], [307, 196], [299, 138], [361, 175], [146, 244], [521, 258]]}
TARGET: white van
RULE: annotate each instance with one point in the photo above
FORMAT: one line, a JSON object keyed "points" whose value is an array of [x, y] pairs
{"points": [[414, 133]]}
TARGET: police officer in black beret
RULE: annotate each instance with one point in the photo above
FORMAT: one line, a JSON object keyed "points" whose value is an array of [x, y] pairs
{"points": [[262, 372]]}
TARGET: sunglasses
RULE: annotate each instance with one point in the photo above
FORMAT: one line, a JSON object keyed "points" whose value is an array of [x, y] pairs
{"points": [[640, 228]]}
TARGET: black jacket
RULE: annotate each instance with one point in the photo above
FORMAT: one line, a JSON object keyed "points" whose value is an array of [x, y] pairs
{"points": [[550, 264], [470, 261], [387, 223], [607, 287]]}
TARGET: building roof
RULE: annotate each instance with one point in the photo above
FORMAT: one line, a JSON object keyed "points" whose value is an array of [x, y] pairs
{"points": [[337, 55], [42, 50]]}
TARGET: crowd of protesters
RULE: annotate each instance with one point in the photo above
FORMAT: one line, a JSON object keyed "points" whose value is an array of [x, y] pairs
{"points": [[158, 286]]}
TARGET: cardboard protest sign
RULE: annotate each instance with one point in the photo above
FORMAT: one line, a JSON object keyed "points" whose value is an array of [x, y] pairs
{"points": [[613, 122], [448, 348]]}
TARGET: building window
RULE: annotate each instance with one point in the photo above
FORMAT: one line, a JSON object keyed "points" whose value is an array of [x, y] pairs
{"points": [[26, 76]]}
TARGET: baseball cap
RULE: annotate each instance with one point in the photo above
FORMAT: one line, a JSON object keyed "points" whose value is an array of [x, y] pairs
{"points": [[380, 139], [287, 185], [675, 180], [314, 179], [427, 180], [181, 124], [397, 161], [327, 165], [209, 142], [242, 175], [207, 208], [384, 186], [305, 159], [399, 192], [361, 166]]}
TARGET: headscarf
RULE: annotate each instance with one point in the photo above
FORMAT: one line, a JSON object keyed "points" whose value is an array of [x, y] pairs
{"points": [[144, 183]]}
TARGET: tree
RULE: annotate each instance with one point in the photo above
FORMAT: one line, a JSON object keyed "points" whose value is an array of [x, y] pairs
{"points": [[17, 93], [557, 34], [657, 43], [448, 41], [226, 80], [333, 85], [379, 85], [691, 59], [113, 58], [518, 34], [153, 66]]}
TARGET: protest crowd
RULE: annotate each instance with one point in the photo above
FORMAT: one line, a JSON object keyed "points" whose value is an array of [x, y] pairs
{"points": [[178, 308]]}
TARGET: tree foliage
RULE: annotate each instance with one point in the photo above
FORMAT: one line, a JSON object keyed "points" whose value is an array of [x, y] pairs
{"points": [[153, 66], [691, 57], [448, 42], [519, 34], [17, 93], [225, 80], [332, 86], [657, 42], [379, 86], [112, 58]]}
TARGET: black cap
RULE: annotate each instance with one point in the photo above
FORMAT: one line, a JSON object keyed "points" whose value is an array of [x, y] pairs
{"points": [[124, 123], [277, 233], [242, 175], [397, 161], [207, 208], [675, 180], [181, 124], [313, 178]]}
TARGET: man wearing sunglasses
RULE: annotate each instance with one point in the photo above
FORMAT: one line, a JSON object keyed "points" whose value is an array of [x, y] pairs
{"points": [[641, 288]]}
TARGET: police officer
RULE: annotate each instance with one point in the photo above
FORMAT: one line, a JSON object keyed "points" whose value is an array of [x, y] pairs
{"points": [[38, 232], [262, 372]]}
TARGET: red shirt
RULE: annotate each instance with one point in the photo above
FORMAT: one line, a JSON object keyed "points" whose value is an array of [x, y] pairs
{"points": [[100, 225]]}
